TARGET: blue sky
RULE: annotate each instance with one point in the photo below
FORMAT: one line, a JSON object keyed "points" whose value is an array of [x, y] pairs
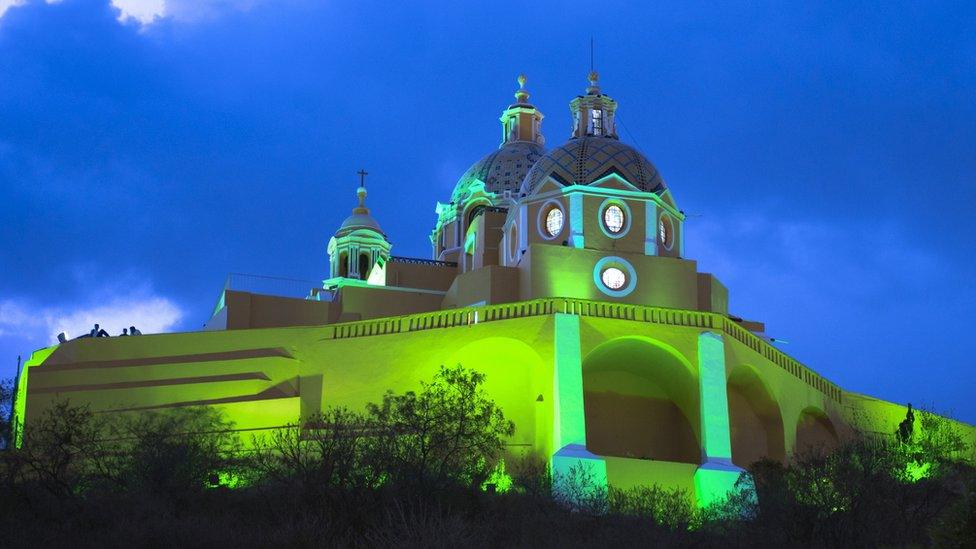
{"points": [[826, 153]]}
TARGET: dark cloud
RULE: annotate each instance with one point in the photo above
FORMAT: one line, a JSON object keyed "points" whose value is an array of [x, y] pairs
{"points": [[183, 150]]}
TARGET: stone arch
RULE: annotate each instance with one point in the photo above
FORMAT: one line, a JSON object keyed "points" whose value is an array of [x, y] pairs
{"points": [[514, 380], [815, 431], [641, 401], [755, 418], [343, 264]]}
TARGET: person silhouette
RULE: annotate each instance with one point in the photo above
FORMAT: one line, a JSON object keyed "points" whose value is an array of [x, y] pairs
{"points": [[125, 332], [99, 332], [133, 331]]}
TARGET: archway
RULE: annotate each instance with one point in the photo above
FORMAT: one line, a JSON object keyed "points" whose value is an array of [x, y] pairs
{"points": [[755, 419], [364, 266], [641, 401], [815, 432], [514, 380]]}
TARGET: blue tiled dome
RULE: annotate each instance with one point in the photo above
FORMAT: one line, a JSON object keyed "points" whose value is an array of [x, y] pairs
{"points": [[501, 170], [583, 160]]}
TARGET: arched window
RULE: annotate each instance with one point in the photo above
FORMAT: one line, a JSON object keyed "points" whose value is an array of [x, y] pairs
{"points": [[343, 264], [363, 266]]}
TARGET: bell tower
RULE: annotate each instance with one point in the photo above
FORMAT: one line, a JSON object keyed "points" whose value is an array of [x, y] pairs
{"points": [[359, 244]]}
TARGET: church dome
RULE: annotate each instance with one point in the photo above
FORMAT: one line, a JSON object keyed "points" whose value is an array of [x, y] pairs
{"points": [[358, 221], [360, 218], [583, 160], [522, 144], [501, 170]]}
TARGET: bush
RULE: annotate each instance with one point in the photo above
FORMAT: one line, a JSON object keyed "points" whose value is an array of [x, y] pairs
{"points": [[410, 470], [448, 434]]}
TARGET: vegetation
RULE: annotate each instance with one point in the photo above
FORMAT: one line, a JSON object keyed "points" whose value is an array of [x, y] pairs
{"points": [[430, 468]]}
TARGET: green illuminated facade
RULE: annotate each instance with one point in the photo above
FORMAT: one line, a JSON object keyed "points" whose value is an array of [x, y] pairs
{"points": [[560, 273]]}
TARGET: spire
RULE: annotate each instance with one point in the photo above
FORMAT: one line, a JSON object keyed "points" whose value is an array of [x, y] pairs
{"points": [[521, 121]]}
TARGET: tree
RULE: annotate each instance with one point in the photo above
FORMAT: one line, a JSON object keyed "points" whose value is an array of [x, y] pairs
{"points": [[449, 433]]}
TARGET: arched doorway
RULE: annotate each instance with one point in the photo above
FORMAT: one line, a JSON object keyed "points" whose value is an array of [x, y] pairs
{"points": [[755, 420], [815, 432], [641, 401]]}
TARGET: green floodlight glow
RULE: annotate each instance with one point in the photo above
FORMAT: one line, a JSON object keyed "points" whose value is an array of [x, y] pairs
{"points": [[917, 470], [20, 397], [714, 398], [570, 424], [499, 478], [717, 477]]}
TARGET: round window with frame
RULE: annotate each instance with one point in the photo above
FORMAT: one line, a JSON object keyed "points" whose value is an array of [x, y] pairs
{"points": [[554, 221], [614, 218]]}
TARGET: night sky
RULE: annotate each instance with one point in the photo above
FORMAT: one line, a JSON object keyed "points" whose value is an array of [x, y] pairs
{"points": [[825, 155]]}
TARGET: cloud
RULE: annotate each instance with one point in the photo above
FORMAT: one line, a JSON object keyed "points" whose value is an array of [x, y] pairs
{"points": [[39, 324], [146, 12], [143, 11], [7, 4], [821, 264], [186, 11]]}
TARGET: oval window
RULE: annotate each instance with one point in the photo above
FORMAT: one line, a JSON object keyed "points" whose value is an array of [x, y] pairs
{"points": [[613, 218], [554, 221], [613, 278], [664, 231]]}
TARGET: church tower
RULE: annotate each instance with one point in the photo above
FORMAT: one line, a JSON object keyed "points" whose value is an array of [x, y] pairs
{"points": [[359, 244]]}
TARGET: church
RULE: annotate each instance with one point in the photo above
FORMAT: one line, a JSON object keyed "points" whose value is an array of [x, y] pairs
{"points": [[560, 272]]}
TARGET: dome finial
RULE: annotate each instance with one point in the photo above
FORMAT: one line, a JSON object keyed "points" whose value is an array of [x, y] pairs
{"points": [[361, 191], [522, 95], [594, 87]]}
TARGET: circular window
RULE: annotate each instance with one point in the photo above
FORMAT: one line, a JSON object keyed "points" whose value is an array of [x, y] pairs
{"points": [[613, 278], [665, 231], [613, 218], [554, 221]]}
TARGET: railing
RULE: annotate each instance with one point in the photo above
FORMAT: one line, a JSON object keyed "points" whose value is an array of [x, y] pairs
{"points": [[266, 285], [599, 309], [417, 261]]}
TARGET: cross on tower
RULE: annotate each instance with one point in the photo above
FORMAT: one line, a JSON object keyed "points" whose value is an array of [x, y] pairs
{"points": [[362, 177]]}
